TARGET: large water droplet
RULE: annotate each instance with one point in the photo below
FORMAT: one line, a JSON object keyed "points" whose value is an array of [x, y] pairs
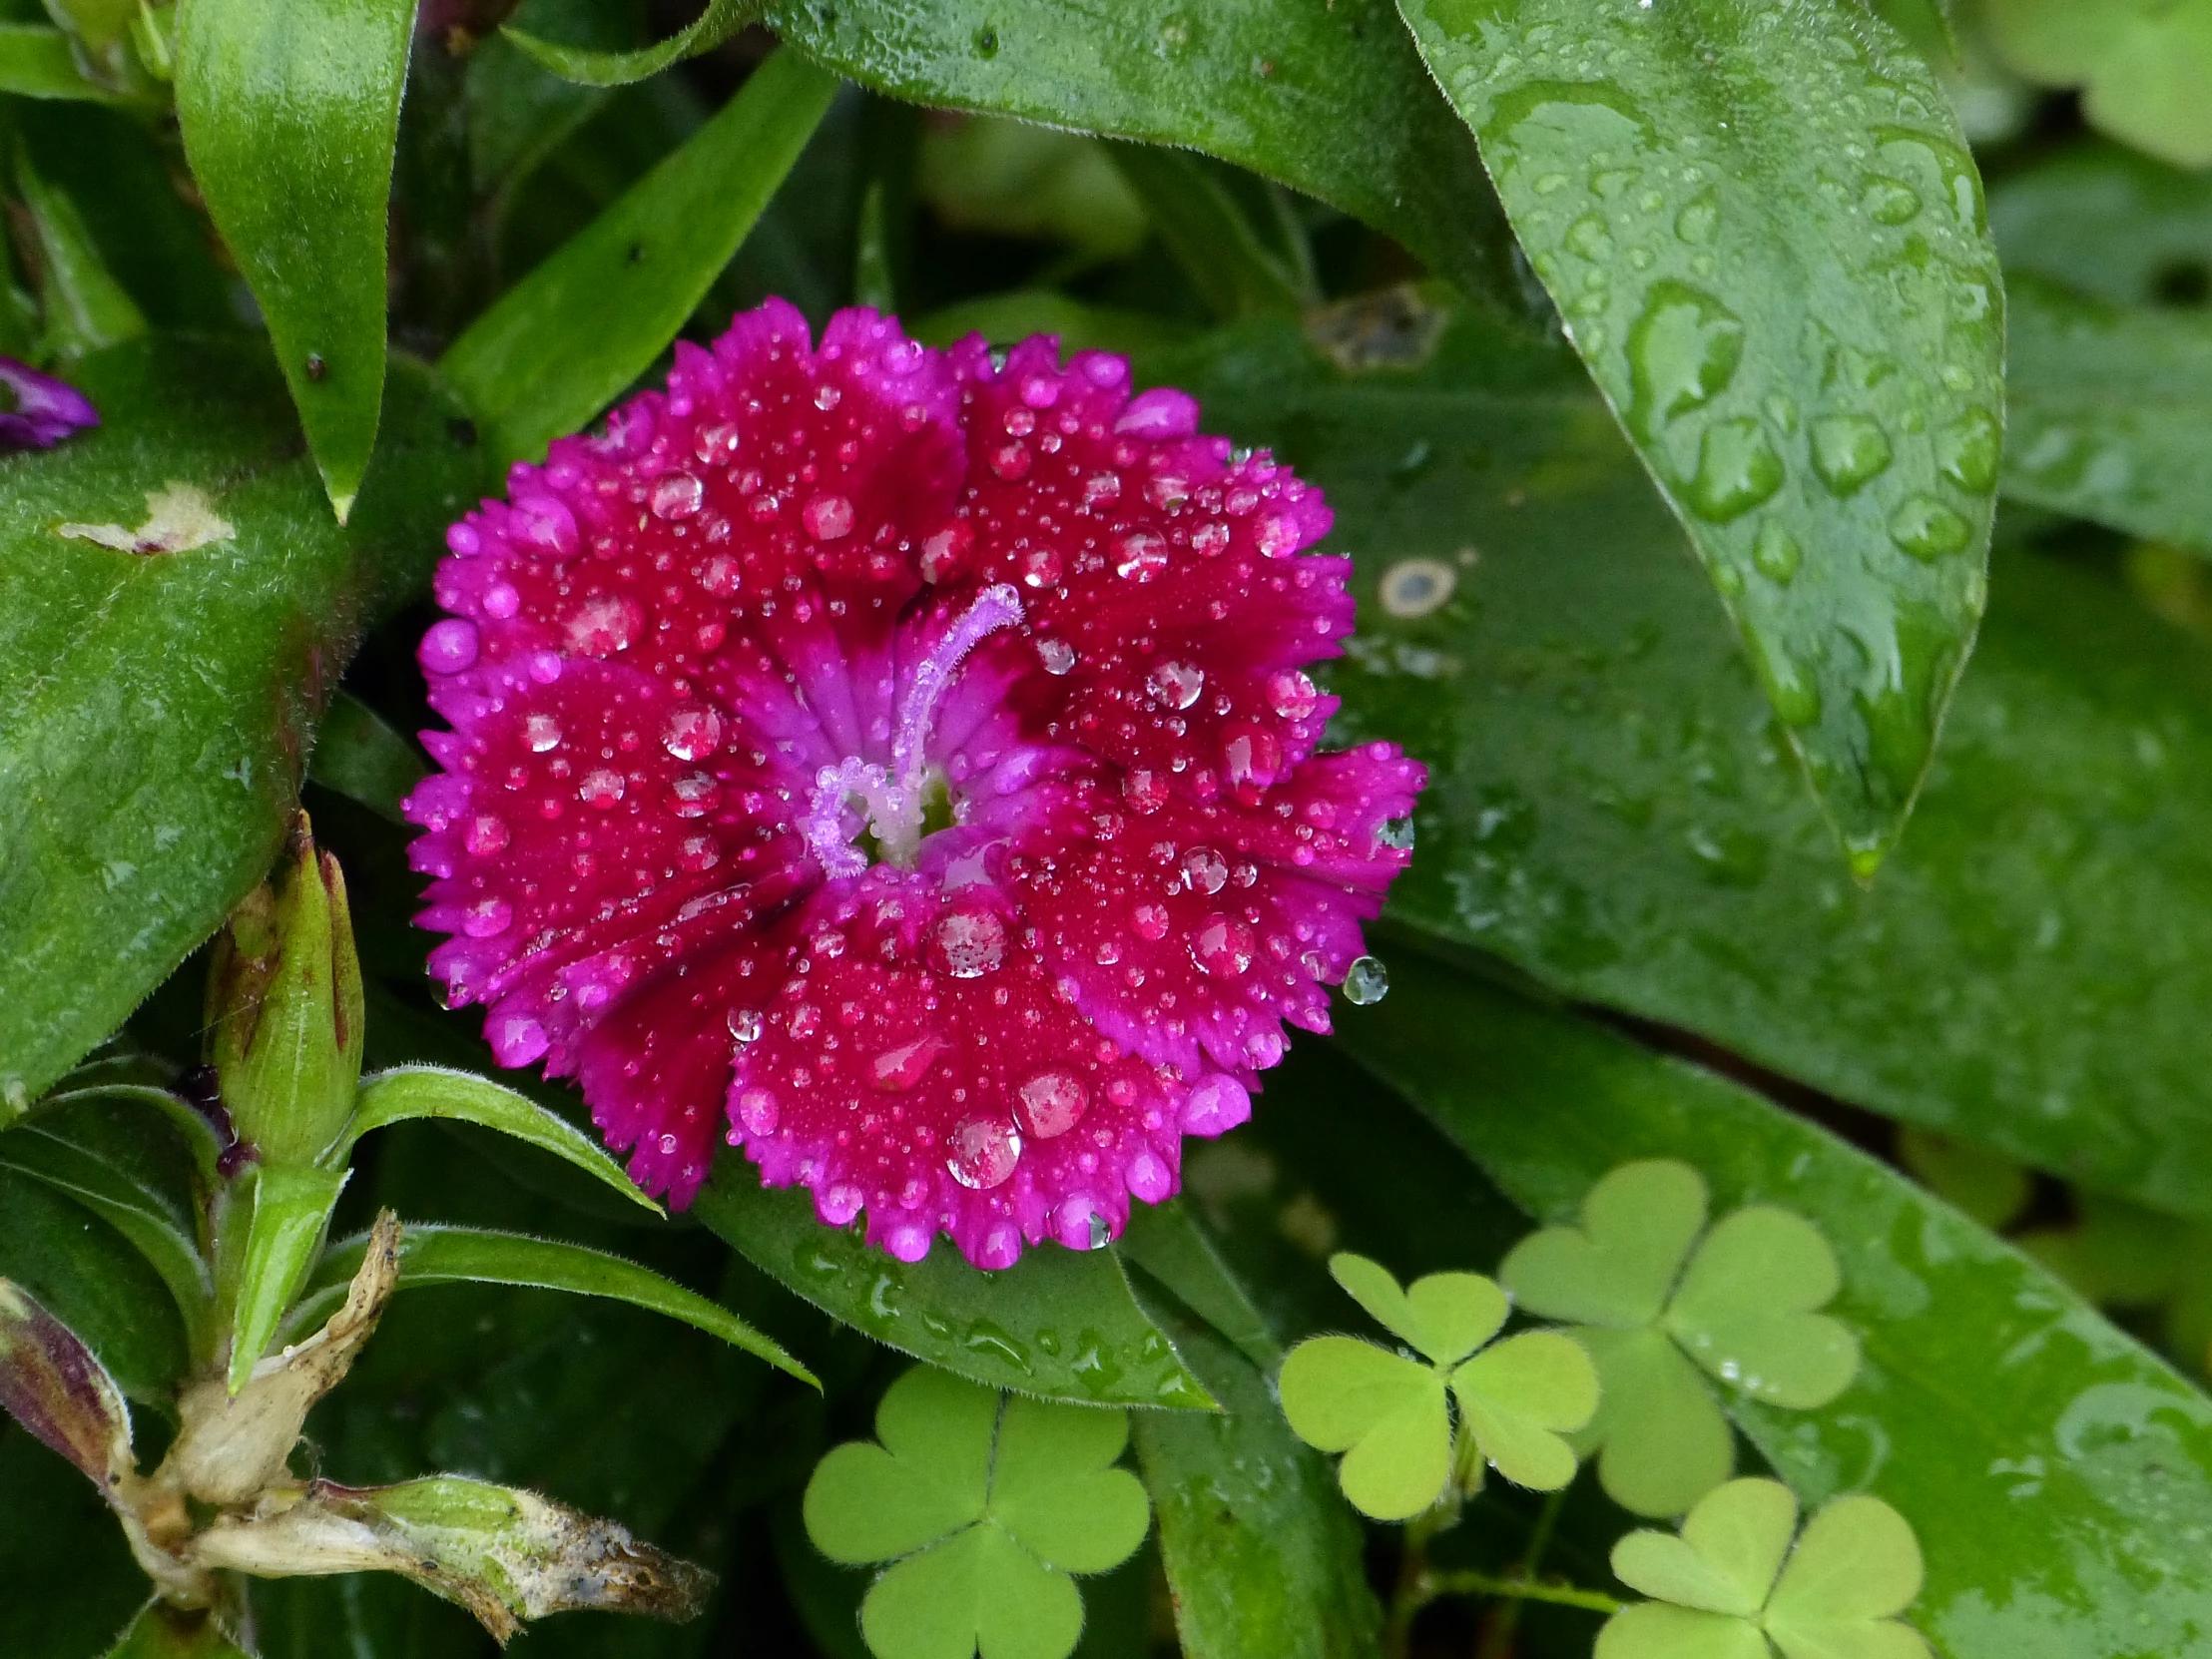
{"points": [[1051, 1102], [969, 944], [1848, 449], [693, 734], [899, 1069], [758, 1111], [487, 918], [1967, 450], [1887, 202], [1251, 754], [600, 788], [1365, 981], [1682, 352], [1057, 656], [1140, 555], [604, 624], [1927, 529], [746, 1024], [1737, 469], [828, 517], [1791, 691], [1397, 834], [542, 731], [1176, 684], [485, 834], [448, 646], [982, 1152], [1204, 870], [677, 495], [1776, 552], [1223, 947], [1293, 694]]}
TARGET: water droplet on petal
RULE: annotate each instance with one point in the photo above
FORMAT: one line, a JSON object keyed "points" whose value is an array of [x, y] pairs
{"points": [[1396, 833], [677, 495], [1251, 754], [485, 834], [600, 788], [1051, 1102], [1293, 694], [691, 733], [604, 624], [1057, 656], [1144, 788], [487, 918], [969, 944], [1140, 555], [746, 1024], [1223, 947], [981, 1153], [1176, 684], [1204, 870], [448, 647], [757, 1108], [1148, 1177], [1216, 1105], [542, 731], [1367, 980], [944, 555], [828, 517], [899, 1069]]}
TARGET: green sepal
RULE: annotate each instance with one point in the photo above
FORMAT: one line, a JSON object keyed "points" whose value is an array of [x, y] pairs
{"points": [[291, 1206]]}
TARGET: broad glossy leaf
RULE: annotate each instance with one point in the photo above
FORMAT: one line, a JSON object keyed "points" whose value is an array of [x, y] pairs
{"points": [[364, 759], [2109, 222], [1611, 810], [1261, 1555], [459, 1255], [2012, 1427], [1767, 239], [407, 1092], [155, 708], [1328, 100], [2110, 410], [290, 114], [590, 67], [1059, 1323], [566, 339]]}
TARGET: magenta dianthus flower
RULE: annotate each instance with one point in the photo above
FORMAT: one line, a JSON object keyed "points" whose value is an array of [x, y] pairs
{"points": [[903, 763], [42, 410]]}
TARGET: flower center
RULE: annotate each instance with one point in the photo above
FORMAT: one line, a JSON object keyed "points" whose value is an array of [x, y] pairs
{"points": [[909, 799]]}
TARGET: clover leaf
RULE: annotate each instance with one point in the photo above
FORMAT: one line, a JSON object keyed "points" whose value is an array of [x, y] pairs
{"points": [[983, 1504], [1391, 1413], [1730, 1586], [1647, 1295], [2140, 65]]}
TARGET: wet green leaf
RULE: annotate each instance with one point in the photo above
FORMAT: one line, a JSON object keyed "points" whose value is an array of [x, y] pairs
{"points": [[1807, 350], [589, 67], [1386, 1412], [155, 706], [460, 1255], [2142, 68], [290, 114], [2015, 1431], [1167, 1242], [362, 759], [1059, 1323], [1221, 243], [1611, 810], [406, 1092], [985, 1504], [2109, 414], [1855, 1566], [567, 338], [2108, 222], [1330, 101], [1262, 1555]]}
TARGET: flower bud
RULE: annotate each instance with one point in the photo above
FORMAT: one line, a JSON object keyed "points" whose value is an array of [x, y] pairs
{"points": [[285, 1010]]}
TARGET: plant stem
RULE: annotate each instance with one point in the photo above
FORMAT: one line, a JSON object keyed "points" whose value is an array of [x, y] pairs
{"points": [[1469, 1583], [1497, 1636]]}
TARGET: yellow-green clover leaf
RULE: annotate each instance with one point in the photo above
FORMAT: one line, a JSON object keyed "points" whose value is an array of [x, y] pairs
{"points": [[1646, 1296], [983, 1503], [1391, 1413], [1729, 1585], [2142, 65]]}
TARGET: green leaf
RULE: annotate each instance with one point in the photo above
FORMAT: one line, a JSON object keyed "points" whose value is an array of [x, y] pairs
{"points": [[154, 705], [1619, 1267], [1661, 1439], [1262, 1555], [2014, 1425], [291, 1212], [86, 307], [1745, 1309], [1519, 1396], [1808, 354], [1385, 1412], [1982, 1184], [2106, 221], [406, 1092], [1059, 1323], [290, 116], [1448, 1316], [1856, 1564], [459, 1255], [1167, 1242], [992, 1502], [36, 61], [1212, 236], [362, 759], [54, 1529], [567, 338], [586, 67], [1611, 812], [2142, 67], [1007, 318], [2109, 414], [1015, 179], [1330, 101], [153, 1224], [83, 1272]]}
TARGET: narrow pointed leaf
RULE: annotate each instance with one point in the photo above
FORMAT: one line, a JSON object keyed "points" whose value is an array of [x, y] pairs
{"points": [[290, 1213], [2017, 1426], [1167, 1242], [89, 1276], [435, 1092], [364, 759], [86, 307], [155, 706], [562, 342], [459, 1256], [1766, 240], [291, 117], [152, 1226], [1210, 233], [1060, 1322], [1330, 100], [587, 67], [36, 61]]}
